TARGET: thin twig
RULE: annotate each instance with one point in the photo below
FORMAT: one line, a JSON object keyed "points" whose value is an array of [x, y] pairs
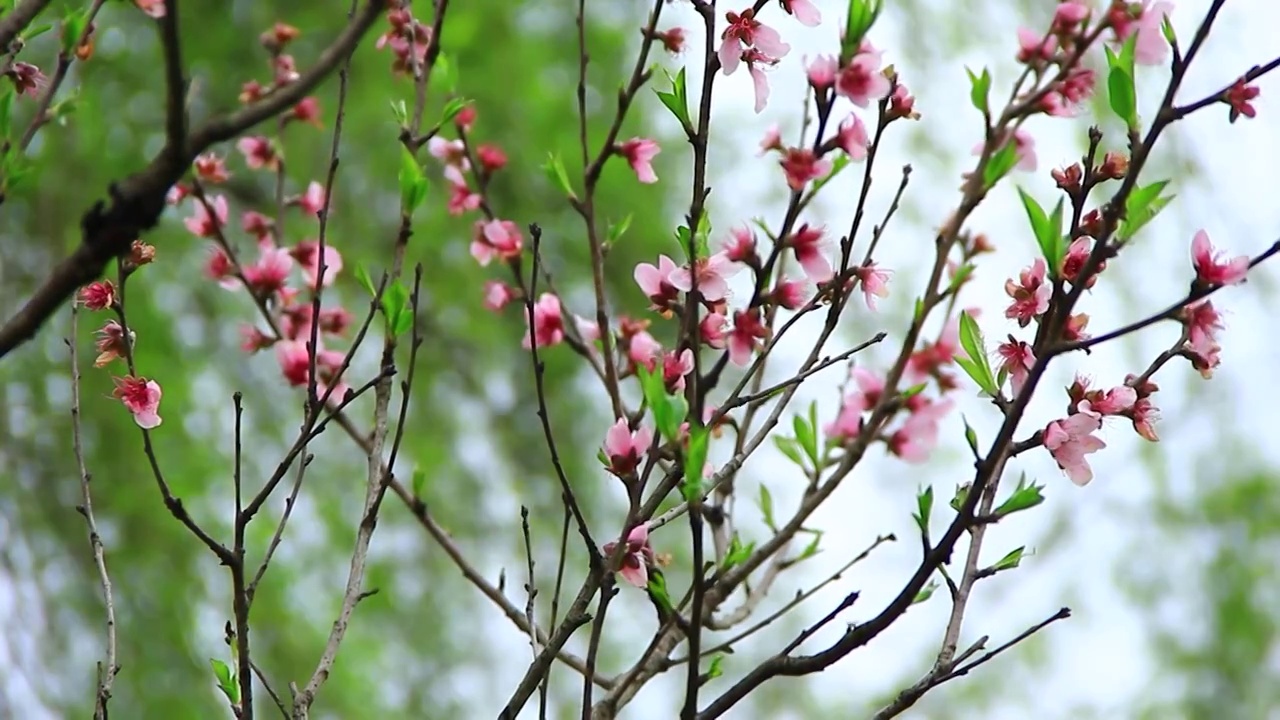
{"points": [[108, 669]]}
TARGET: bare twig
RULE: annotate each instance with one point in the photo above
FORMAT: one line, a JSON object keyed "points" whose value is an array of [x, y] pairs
{"points": [[106, 670]]}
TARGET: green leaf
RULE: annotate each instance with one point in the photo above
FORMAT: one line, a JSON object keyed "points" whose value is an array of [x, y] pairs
{"points": [[980, 89], [554, 169], [812, 548], [790, 448], [451, 109], [695, 459], [400, 111], [444, 74], [914, 390], [73, 26], [999, 164], [925, 593], [715, 670], [658, 589], [962, 274], [6, 113], [962, 494], [403, 322], [1010, 561], [1122, 94], [970, 436], [226, 680], [806, 438], [766, 507], [737, 553], [840, 162], [669, 411], [1024, 497], [413, 182], [1166, 28], [419, 482], [1048, 231], [1141, 207], [618, 229], [366, 282], [677, 99], [976, 364], [37, 31], [395, 306], [862, 15], [924, 507]]}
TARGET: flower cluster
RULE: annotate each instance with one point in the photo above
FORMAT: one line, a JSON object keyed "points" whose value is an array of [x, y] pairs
{"points": [[140, 395]]}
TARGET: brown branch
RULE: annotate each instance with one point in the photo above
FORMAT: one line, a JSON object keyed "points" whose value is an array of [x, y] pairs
{"points": [[136, 202], [18, 19]]}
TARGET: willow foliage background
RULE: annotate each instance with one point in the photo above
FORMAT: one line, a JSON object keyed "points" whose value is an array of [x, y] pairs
{"points": [[426, 644]]}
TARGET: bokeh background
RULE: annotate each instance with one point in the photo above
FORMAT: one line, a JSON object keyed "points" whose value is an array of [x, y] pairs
{"points": [[1168, 559]]}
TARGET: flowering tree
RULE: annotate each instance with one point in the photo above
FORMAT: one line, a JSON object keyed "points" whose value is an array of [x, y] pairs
{"points": [[686, 384]]}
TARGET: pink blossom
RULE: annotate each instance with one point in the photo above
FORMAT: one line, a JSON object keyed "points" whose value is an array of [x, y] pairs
{"points": [[1203, 321], [919, 434], [548, 322], [861, 80], [259, 153], [1017, 360], [744, 30], [1073, 263], [875, 283], [1144, 415], [744, 339], [1069, 14], [801, 165], [852, 137], [675, 368], [152, 8], [639, 153], [713, 273], [1211, 266], [637, 556], [655, 281], [312, 201], [625, 448], [140, 397], [804, 10], [307, 253], [1034, 47], [201, 224], [810, 247], [450, 152], [740, 246], [866, 394], [1152, 48], [756, 63], [496, 238], [643, 350], [335, 320], [714, 330], [268, 275], [252, 339], [1030, 294], [491, 157], [211, 168], [98, 295], [1116, 401], [260, 226], [822, 71], [461, 198], [1069, 441], [219, 267], [497, 294], [791, 294], [111, 343], [295, 365], [772, 140]]}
